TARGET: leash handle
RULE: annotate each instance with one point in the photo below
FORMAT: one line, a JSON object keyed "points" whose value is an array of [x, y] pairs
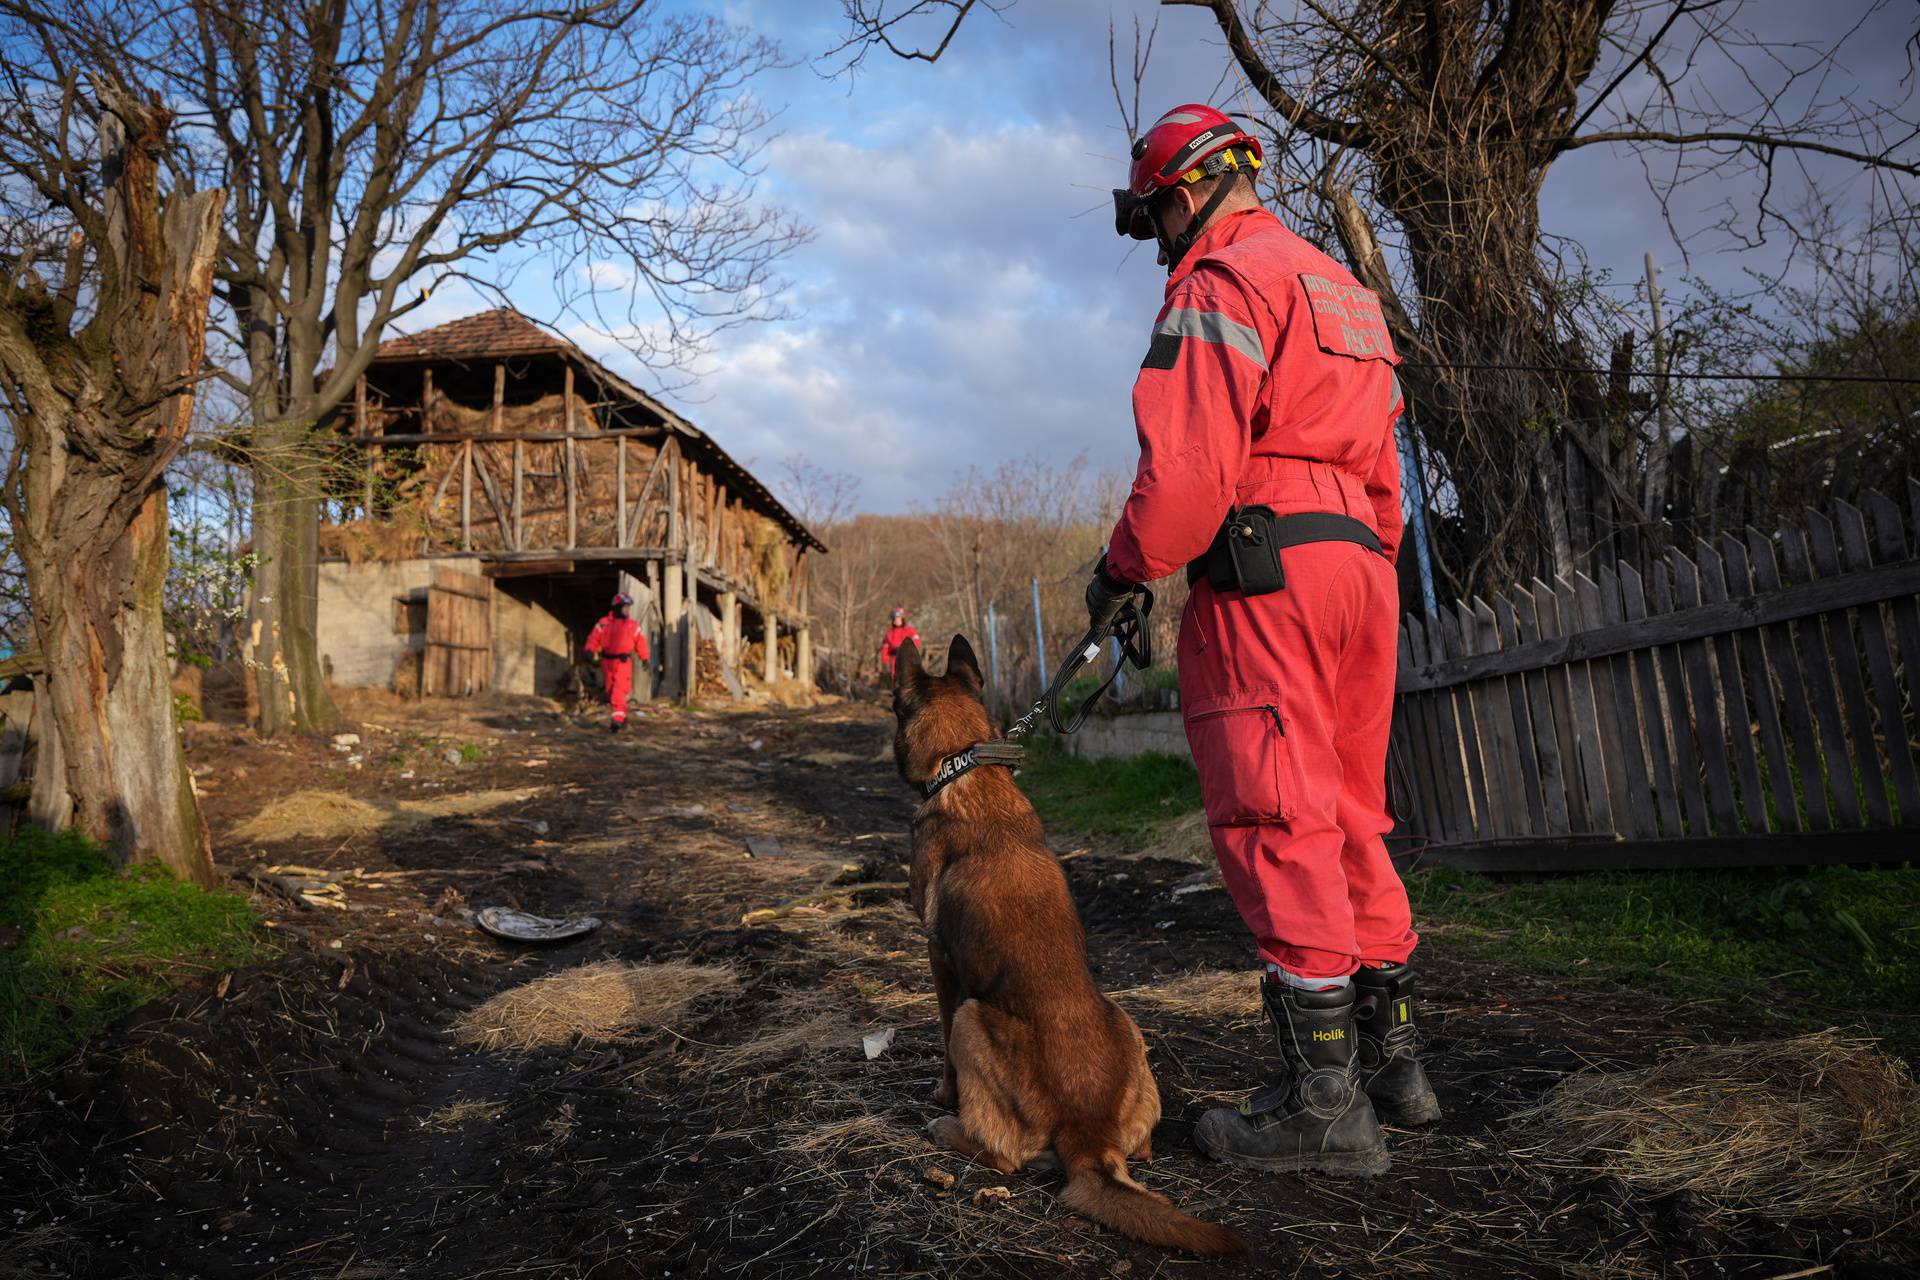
{"points": [[1135, 637]]}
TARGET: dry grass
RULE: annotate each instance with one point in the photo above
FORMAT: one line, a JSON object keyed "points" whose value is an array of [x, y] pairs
{"points": [[364, 541], [814, 1021], [603, 1001], [1181, 839], [1226, 996], [1797, 1128], [335, 814], [464, 1112]]}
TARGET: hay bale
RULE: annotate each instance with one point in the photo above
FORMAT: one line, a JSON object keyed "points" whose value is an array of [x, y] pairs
{"points": [[770, 567], [335, 814], [603, 1001], [378, 541], [1800, 1128], [313, 813]]}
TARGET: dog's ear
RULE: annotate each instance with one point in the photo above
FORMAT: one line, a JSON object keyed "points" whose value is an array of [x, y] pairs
{"points": [[906, 667], [962, 663]]}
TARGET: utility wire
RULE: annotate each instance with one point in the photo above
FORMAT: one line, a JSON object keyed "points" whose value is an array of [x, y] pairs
{"points": [[1895, 380]]}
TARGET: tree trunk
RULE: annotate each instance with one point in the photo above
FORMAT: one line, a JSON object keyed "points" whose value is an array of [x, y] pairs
{"points": [[118, 772], [100, 413], [283, 623]]}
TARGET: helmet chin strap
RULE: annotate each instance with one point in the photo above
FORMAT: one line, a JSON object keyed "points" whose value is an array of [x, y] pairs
{"points": [[1175, 247]]}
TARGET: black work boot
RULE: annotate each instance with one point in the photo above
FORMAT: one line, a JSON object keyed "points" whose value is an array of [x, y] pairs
{"points": [[1314, 1117], [1390, 1074]]}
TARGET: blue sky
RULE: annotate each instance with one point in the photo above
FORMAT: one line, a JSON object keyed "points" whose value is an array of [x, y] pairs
{"points": [[964, 299]]}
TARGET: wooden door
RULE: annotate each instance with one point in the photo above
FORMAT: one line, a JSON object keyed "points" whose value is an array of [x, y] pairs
{"points": [[459, 657]]}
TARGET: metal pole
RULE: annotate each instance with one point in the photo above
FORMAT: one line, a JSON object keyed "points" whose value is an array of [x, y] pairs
{"points": [[1040, 635], [993, 644], [1413, 507]]}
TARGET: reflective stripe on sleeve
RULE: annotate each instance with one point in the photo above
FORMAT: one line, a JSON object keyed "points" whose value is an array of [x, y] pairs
{"points": [[1212, 326]]}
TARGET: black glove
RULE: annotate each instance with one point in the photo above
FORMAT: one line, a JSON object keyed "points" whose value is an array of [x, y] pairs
{"points": [[1106, 596]]}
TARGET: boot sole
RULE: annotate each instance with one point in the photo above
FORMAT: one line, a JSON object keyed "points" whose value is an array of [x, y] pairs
{"points": [[1424, 1113], [1341, 1164]]}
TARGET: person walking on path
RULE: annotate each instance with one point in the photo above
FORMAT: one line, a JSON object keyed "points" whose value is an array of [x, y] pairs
{"points": [[897, 635], [618, 642], [1265, 410]]}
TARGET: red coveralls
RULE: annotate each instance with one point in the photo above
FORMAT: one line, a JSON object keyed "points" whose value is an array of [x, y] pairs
{"points": [[1271, 381], [618, 641], [896, 636]]}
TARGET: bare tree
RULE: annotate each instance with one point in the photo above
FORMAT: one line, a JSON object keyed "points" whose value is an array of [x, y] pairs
{"points": [[820, 496], [1419, 136], [103, 312], [378, 149]]}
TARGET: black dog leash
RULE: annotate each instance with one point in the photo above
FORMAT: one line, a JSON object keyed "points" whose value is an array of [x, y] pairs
{"points": [[1129, 627]]}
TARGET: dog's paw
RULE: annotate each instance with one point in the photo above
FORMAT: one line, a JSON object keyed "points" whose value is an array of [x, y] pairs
{"points": [[944, 1095], [948, 1132]]}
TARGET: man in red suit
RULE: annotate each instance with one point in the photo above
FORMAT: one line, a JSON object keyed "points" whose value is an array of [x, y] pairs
{"points": [[1265, 410], [897, 635], [618, 642]]}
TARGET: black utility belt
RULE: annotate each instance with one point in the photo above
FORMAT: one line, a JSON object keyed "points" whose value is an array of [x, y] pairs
{"points": [[1245, 555], [616, 656]]}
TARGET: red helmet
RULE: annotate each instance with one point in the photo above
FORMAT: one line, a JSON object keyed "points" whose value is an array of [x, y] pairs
{"points": [[1186, 144], [621, 600], [899, 614]]}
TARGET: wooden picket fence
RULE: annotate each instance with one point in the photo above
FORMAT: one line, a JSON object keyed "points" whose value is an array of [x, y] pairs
{"points": [[1752, 704]]}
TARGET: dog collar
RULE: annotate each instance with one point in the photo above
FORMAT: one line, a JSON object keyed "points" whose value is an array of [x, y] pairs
{"points": [[996, 751]]}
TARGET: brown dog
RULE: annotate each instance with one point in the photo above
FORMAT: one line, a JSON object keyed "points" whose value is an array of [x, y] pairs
{"points": [[1037, 1057]]}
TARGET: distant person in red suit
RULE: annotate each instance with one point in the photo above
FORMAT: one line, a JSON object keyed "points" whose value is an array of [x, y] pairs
{"points": [[898, 634], [618, 642]]}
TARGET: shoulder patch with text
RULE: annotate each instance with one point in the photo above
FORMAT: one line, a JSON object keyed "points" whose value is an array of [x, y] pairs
{"points": [[1347, 320]]}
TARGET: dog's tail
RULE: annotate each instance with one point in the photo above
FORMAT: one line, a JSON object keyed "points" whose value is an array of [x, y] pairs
{"points": [[1098, 1187]]}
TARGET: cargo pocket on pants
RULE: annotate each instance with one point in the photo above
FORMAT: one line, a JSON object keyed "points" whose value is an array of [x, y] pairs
{"points": [[1247, 772]]}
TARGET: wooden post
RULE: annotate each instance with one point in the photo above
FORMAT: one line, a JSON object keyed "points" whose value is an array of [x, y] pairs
{"points": [[658, 685], [466, 497], [426, 401], [620, 485], [729, 641], [803, 636], [573, 506], [519, 468], [770, 632], [692, 652], [673, 498], [499, 396], [360, 430], [670, 616]]}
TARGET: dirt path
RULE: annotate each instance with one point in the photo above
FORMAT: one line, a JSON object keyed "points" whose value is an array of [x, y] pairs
{"points": [[317, 1118]]}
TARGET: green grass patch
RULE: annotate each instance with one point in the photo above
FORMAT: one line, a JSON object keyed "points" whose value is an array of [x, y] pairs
{"points": [[1120, 800], [95, 943], [1812, 947]]}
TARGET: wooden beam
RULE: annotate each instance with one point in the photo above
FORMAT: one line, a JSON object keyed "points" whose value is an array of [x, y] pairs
{"points": [[673, 498], [573, 501], [646, 491], [503, 437], [1890, 582], [620, 486], [508, 535], [525, 568], [360, 429], [519, 471], [426, 403], [466, 495]]}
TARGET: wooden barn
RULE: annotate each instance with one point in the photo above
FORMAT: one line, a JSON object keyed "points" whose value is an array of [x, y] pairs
{"points": [[500, 485]]}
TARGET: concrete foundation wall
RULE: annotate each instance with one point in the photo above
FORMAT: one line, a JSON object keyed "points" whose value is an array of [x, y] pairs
{"points": [[1103, 737], [530, 647], [356, 631]]}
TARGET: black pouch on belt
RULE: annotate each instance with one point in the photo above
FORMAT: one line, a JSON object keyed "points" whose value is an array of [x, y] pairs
{"points": [[1245, 555]]}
